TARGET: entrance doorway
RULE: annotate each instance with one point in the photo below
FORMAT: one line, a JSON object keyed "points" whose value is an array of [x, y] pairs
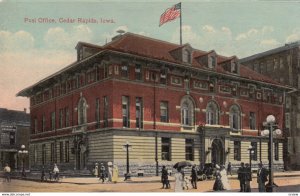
{"points": [[217, 152]]}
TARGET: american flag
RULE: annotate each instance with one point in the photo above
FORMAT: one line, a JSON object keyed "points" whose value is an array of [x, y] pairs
{"points": [[170, 14]]}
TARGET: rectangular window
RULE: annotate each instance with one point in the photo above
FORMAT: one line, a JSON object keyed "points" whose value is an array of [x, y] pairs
{"points": [[105, 71], [276, 151], [105, 111], [163, 77], [201, 85], [61, 113], [288, 102], [164, 111], [52, 150], [12, 138], [43, 123], [237, 150], [97, 113], [61, 152], [254, 151], [125, 111], [189, 149], [124, 71], [67, 117], [52, 120], [139, 112], [166, 149], [35, 125], [225, 89], [287, 120], [67, 152], [138, 73], [44, 154], [176, 80], [252, 121], [35, 154]]}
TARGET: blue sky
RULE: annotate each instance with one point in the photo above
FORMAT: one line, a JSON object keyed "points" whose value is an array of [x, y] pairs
{"points": [[31, 51]]}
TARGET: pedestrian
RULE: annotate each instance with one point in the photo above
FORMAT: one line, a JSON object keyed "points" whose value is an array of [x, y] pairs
{"points": [[56, 172], [218, 185], [43, 175], [102, 172], [96, 170], [178, 181], [165, 178], [248, 178], [115, 176], [241, 176], [7, 171], [229, 169], [262, 177], [194, 177], [110, 171], [224, 178]]}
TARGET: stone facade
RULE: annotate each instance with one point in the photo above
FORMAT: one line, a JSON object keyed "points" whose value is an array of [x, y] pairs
{"points": [[283, 64], [200, 107]]}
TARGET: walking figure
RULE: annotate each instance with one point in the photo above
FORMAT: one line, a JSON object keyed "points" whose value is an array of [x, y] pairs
{"points": [[229, 169], [56, 172], [262, 177], [194, 177], [248, 178], [7, 171], [43, 175], [102, 172], [165, 178], [242, 177]]}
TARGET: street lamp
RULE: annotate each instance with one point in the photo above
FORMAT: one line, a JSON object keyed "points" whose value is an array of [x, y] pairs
{"points": [[251, 152], [127, 147], [22, 154], [269, 132]]}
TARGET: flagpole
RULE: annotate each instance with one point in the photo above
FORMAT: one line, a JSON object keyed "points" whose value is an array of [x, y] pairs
{"points": [[180, 25]]}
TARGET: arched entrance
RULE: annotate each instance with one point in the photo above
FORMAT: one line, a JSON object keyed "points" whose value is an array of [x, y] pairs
{"points": [[217, 152]]}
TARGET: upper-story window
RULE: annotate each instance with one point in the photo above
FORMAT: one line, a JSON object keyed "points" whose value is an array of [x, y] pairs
{"points": [[212, 113], [187, 111], [138, 72], [234, 67], [82, 115], [212, 61], [186, 56], [125, 111], [235, 117], [124, 71], [163, 76]]}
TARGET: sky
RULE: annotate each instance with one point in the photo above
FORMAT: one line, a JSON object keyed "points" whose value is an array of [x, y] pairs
{"points": [[38, 38]]}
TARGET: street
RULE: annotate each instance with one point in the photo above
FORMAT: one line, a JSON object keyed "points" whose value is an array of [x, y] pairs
{"points": [[286, 184]]}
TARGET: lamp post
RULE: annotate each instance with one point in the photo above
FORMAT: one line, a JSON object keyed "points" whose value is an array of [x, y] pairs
{"points": [[270, 122], [127, 147], [22, 154], [251, 152]]}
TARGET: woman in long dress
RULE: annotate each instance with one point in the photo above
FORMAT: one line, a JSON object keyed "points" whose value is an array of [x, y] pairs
{"points": [[178, 181], [224, 178], [218, 185]]}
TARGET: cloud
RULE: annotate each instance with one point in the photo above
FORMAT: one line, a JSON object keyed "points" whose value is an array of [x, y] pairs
{"points": [[295, 36], [269, 42], [20, 40], [59, 38], [209, 29]]}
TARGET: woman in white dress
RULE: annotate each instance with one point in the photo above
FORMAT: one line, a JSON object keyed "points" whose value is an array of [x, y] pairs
{"points": [[224, 178], [178, 181]]}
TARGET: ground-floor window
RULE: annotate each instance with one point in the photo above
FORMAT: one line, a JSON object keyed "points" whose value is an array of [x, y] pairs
{"points": [[61, 152], [189, 149], [237, 150], [43, 154], [52, 153], [67, 152], [166, 149], [254, 149]]}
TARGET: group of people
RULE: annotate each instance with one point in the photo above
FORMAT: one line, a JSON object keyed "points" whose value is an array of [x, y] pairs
{"points": [[53, 174], [245, 177], [111, 175], [221, 181]]}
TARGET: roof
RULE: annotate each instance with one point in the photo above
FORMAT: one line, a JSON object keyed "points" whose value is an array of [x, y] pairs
{"points": [[14, 116], [155, 49], [270, 52]]}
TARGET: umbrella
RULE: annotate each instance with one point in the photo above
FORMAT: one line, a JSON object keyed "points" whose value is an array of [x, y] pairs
{"points": [[182, 164]]}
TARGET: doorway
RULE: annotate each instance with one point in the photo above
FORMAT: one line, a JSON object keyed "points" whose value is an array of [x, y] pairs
{"points": [[217, 152]]}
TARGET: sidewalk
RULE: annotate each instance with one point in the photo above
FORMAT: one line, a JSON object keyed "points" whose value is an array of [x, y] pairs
{"points": [[152, 179]]}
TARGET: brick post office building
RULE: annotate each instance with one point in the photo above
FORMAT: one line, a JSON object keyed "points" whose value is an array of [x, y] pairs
{"points": [[170, 102]]}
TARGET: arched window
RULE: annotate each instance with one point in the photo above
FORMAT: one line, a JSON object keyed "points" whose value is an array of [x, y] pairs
{"points": [[235, 117], [82, 106], [212, 113], [187, 111]]}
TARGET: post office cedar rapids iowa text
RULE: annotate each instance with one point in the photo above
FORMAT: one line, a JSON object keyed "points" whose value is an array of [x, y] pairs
{"points": [[69, 20]]}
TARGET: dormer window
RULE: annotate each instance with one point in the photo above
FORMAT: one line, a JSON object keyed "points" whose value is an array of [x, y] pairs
{"points": [[80, 54], [186, 56], [234, 67], [211, 62]]}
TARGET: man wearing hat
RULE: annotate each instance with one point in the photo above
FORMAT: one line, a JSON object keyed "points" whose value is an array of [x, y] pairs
{"points": [[102, 172], [262, 177], [242, 177]]}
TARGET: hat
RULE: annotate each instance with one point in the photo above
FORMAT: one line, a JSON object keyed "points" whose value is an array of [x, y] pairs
{"points": [[217, 166]]}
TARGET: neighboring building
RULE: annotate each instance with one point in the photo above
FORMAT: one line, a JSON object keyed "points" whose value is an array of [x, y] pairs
{"points": [[14, 132], [283, 65], [170, 102]]}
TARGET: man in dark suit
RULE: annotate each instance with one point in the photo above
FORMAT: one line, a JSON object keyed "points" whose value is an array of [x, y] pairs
{"points": [[242, 177], [164, 178], [194, 177], [262, 177], [248, 178]]}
